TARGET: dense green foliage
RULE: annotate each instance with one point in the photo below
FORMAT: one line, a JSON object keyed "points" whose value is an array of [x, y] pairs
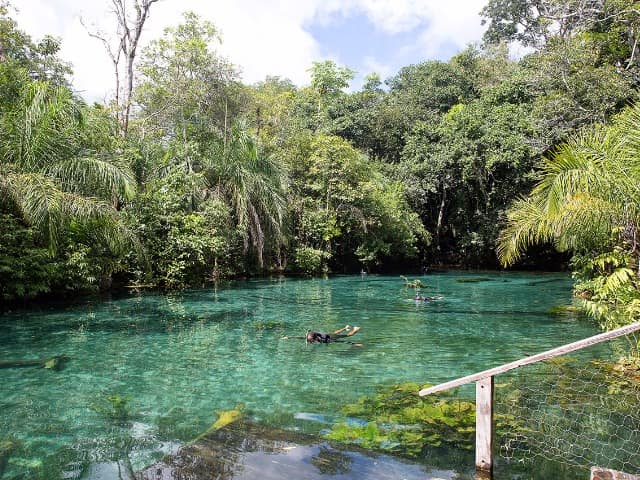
{"points": [[587, 201], [218, 178]]}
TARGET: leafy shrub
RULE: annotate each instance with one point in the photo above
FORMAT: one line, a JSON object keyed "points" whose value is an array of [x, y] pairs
{"points": [[25, 267], [311, 260]]}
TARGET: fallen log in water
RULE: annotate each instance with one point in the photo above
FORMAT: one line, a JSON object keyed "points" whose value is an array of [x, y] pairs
{"points": [[51, 363]]}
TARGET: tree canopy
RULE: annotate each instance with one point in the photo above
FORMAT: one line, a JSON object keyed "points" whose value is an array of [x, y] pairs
{"points": [[442, 163]]}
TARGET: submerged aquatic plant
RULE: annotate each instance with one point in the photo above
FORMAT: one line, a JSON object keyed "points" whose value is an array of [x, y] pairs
{"points": [[177, 424], [401, 421], [270, 325], [225, 417], [56, 363], [118, 403], [566, 311], [6, 449], [398, 420], [114, 407]]}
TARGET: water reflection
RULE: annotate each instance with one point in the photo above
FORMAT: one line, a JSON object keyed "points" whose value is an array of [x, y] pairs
{"points": [[244, 451]]}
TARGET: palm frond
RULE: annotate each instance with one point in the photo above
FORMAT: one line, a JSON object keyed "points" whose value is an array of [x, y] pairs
{"points": [[582, 199], [582, 165], [110, 231], [527, 225], [619, 278], [47, 181], [42, 128], [585, 221], [49, 209], [96, 176], [253, 184]]}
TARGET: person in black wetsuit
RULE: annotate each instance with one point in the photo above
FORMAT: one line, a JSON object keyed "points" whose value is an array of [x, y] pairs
{"points": [[337, 336], [317, 337]]}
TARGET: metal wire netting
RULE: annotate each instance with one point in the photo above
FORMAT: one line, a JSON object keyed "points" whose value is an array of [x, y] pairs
{"points": [[576, 411]]}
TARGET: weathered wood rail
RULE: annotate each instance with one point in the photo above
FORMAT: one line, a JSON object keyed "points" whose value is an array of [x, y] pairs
{"points": [[484, 389]]}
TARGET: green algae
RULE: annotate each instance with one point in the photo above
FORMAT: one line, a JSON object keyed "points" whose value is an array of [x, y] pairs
{"points": [[56, 363], [400, 421], [270, 325], [177, 424], [50, 363], [566, 311], [6, 449], [115, 407], [225, 418]]}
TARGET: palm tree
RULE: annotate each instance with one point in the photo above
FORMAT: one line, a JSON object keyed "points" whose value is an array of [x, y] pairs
{"points": [[254, 185], [588, 195], [48, 175], [588, 202]]}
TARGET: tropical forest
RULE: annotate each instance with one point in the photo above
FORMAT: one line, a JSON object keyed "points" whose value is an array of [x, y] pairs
{"points": [[162, 253]]}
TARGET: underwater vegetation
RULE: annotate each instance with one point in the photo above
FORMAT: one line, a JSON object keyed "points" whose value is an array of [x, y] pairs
{"points": [[402, 422], [270, 325], [115, 407], [50, 363], [6, 448], [552, 403], [177, 424], [225, 417], [566, 311], [329, 461]]}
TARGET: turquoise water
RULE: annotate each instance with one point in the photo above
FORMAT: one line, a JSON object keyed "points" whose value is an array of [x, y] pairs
{"points": [[147, 372]]}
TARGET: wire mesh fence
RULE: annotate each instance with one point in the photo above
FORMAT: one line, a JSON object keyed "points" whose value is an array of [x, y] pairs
{"points": [[570, 413]]}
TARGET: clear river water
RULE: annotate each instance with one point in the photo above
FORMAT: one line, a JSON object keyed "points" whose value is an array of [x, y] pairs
{"points": [[172, 361]]}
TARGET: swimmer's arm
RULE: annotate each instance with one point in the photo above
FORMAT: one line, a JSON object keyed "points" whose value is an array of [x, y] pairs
{"points": [[346, 327]]}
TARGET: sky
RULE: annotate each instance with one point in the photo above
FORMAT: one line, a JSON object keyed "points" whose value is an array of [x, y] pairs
{"points": [[270, 37]]}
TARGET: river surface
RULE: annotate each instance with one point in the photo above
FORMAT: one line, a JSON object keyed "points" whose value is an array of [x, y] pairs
{"points": [[147, 372]]}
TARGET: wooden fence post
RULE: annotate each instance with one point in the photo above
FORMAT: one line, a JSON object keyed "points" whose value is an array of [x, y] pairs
{"points": [[484, 425], [484, 391]]}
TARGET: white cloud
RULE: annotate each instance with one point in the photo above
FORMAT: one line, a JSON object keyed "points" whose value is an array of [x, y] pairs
{"points": [[263, 37], [371, 65], [451, 26]]}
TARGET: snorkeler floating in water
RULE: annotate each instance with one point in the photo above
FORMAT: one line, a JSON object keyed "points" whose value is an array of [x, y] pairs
{"points": [[337, 336], [420, 298]]}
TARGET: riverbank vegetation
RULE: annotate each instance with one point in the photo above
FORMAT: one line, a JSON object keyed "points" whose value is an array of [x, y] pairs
{"points": [[197, 176]]}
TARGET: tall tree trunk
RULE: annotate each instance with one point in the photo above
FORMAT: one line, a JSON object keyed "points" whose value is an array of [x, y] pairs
{"points": [[129, 30], [443, 204]]}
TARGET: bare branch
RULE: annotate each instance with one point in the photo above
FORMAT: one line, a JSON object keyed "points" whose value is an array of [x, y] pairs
{"points": [[115, 58], [128, 31]]}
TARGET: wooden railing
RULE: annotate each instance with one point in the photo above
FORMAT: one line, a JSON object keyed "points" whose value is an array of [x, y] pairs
{"points": [[484, 390]]}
